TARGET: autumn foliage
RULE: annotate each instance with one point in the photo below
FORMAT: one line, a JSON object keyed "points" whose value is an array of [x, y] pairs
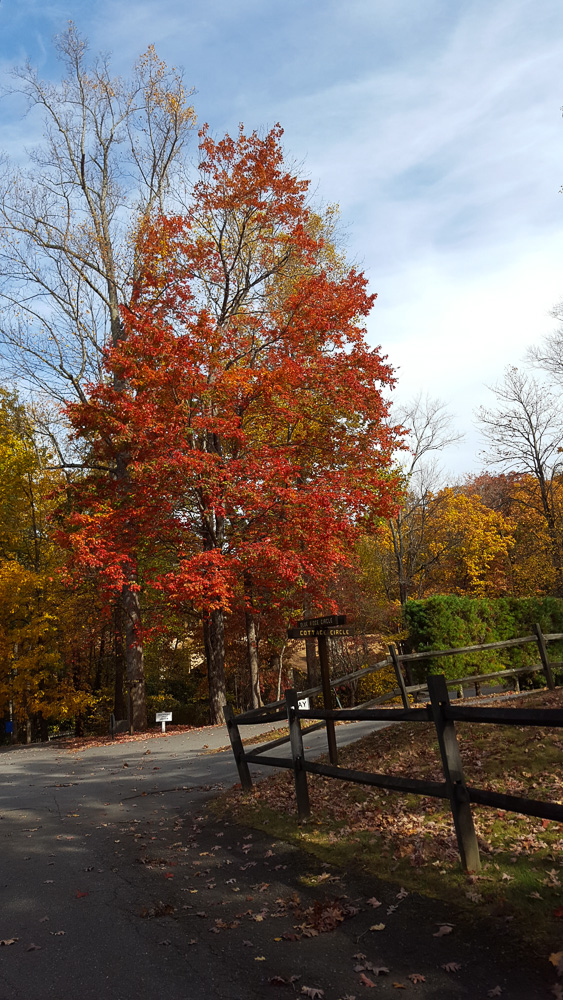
{"points": [[246, 400]]}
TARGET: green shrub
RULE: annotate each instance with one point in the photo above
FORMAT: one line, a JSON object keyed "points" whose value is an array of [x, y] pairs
{"points": [[448, 622]]}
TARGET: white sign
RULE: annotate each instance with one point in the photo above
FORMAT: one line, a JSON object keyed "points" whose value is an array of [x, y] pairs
{"points": [[303, 705], [163, 718]]}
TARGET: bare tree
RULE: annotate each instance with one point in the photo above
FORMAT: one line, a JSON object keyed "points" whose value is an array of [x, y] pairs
{"points": [[524, 434], [112, 154], [429, 426], [548, 356]]}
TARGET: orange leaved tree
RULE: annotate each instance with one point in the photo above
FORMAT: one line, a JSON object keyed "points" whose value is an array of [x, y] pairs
{"points": [[250, 408]]}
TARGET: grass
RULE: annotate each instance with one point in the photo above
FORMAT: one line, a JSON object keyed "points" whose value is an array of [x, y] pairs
{"points": [[409, 839]]}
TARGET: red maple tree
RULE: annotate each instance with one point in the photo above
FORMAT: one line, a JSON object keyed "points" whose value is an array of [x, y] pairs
{"points": [[248, 405]]}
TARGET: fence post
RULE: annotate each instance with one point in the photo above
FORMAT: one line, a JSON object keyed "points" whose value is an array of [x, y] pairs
{"points": [[238, 749], [544, 656], [453, 773], [296, 743], [399, 676]]}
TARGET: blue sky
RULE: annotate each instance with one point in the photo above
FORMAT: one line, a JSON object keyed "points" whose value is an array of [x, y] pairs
{"points": [[436, 126]]}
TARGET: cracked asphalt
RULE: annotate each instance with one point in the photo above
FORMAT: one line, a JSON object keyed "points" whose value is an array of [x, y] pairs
{"points": [[115, 880]]}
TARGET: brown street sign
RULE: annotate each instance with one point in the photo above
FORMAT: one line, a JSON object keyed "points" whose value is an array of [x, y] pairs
{"points": [[306, 632], [322, 622]]}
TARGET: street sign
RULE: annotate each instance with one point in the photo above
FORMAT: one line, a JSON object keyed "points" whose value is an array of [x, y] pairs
{"points": [[325, 620], [308, 632], [303, 704], [163, 718]]}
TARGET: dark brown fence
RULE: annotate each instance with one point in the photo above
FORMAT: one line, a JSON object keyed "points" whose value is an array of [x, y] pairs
{"points": [[444, 716], [275, 711]]}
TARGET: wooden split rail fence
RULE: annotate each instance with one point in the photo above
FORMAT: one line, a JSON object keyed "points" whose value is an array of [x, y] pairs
{"points": [[440, 711]]}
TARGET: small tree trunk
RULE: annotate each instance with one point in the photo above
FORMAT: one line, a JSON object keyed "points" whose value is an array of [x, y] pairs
{"points": [[134, 656], [214, 641], [278, 664], [252, 645]]}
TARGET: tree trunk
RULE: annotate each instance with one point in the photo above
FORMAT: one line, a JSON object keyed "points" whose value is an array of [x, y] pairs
{"points": [[214, 640], [119, 708], [134, 654], [43, 728], [313, 665], [252, 645]]}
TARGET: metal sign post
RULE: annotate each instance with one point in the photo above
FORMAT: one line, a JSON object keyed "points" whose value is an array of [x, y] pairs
{"points": [[322, 629]]}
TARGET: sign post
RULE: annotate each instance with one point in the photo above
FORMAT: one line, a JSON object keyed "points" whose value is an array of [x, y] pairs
{"points": [[322, 641], [321, 629], [163, 718]]}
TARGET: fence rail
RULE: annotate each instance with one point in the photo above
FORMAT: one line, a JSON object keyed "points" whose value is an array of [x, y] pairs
{"points": [[273, 712], [443, 714]]}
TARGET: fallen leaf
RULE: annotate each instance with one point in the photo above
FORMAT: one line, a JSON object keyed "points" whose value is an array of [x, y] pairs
{"points": [[443, 930], [556, 959], [378, 970], [80, 895], [377, 927], [558, 912], [366, 981], [313, 992], [57, 933], [8, 941], [34, 947], [373, 902], [496, 992], [415, 977], [399, 986], [259, 958], [451, 967]]}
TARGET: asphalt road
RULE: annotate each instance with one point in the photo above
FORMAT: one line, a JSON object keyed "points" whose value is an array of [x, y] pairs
{"points": [[114, 882]]}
